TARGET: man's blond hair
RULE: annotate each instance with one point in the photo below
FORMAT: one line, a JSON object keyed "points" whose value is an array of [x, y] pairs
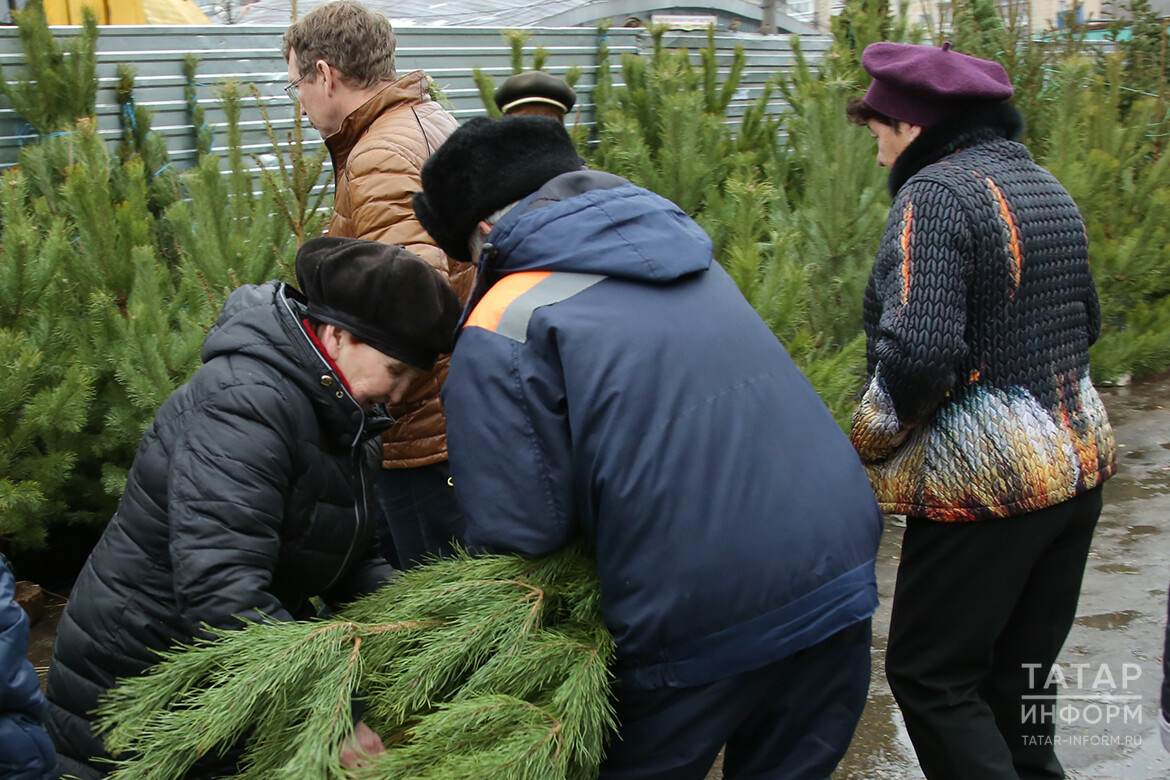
{"points": [[347, 35]]}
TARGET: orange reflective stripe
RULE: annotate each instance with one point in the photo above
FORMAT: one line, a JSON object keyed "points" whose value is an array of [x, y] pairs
{"points": [[491, 307]]}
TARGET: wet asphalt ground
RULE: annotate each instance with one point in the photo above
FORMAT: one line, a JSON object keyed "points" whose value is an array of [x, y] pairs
{"points": [[1113, 656]]}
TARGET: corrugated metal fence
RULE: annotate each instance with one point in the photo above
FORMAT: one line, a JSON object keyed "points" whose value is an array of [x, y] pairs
{"points": [[251, 55]]}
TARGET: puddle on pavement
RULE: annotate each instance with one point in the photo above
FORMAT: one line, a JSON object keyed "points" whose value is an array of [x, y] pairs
{"points": [[879, 747], [1127, 401], [1109, 621], [1136, 536], [1158, 480], [1111, 519], [1122, 490], [1118, 568]]}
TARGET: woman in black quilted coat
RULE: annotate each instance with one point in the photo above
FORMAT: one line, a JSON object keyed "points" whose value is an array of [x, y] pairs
{"points": [[249, 492], [978, 421]]}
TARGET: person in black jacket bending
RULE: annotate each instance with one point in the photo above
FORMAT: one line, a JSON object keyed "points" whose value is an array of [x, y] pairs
{"points": [[250, 491]]}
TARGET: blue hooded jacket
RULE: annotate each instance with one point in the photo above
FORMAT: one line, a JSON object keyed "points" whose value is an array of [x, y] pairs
{"points": [[610, 379], [25, 750]]}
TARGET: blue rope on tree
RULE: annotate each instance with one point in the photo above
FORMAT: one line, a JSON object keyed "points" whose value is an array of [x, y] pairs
{"points": [[128, 113], [28, 131], [210, 134]]}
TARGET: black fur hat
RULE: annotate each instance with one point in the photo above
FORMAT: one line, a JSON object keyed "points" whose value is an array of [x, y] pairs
{"points": [[486, 165], [387, 296]]}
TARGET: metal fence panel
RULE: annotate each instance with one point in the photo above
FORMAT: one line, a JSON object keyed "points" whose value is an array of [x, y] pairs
{"points": [[766, 56], [250, 55]]}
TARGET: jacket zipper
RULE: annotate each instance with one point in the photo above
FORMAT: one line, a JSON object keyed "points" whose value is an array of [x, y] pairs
{"points": [[356, 450], [360, 510]]}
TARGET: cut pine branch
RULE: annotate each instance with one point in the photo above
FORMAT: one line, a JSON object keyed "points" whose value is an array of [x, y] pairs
{"points": [[493, 667]]}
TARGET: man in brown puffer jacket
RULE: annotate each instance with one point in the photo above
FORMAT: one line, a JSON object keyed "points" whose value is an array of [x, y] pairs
{"points": [[380, 129]]}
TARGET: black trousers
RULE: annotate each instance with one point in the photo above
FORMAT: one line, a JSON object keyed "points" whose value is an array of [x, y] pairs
{"points": [[976, 608], [791, 720]]}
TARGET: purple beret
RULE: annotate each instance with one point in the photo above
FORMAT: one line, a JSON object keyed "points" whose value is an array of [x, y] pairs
{"points": [[922, 84]]}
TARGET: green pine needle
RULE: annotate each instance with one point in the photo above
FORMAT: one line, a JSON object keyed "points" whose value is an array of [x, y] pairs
{"points": [[494, 668]]}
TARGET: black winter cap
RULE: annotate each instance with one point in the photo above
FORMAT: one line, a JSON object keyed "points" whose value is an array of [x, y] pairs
{"points": [[535, 86], [483, 166], [387, 296]]}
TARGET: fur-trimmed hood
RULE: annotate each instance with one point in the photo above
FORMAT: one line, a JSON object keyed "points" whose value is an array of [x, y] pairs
{"points": [[1001, 120]]}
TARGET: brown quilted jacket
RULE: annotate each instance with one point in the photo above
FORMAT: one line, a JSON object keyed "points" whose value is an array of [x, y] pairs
{"points": [[377, 155]]}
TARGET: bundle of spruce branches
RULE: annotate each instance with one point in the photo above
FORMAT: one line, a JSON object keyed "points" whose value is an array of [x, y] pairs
{"points": [[494, 667]]}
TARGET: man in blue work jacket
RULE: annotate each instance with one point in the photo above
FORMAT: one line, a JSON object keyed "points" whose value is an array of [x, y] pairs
{"points": [[610, 381]]}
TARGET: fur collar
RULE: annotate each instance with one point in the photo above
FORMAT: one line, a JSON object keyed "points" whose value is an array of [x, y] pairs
{"points": [[1000, 120]]}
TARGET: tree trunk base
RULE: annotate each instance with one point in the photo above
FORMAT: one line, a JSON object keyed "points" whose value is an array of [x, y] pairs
{"points": [[30, 596]]}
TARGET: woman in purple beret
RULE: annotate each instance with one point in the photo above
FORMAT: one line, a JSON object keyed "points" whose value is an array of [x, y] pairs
{"points": [[978, 420]]}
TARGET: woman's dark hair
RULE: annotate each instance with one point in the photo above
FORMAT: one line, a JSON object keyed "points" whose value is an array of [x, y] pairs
{"points": [[861, 113]]}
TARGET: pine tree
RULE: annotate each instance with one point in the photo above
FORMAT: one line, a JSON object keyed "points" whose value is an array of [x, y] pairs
{"points": [[493, 667], [40, 408], [111, 281], [223, 235], [1144, 49], [1113, 160], [97, 217], [603, 82], [203, 134], [60, 86], [262, 230], [139, 140], [860, 23], [793, 203], [981, 30], [835, 203], [664, 129], [43, 398], [299, 190], [517, 40]]}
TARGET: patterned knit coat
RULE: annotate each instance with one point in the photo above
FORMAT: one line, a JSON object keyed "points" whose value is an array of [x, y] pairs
{"points": [[979, 314]]}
